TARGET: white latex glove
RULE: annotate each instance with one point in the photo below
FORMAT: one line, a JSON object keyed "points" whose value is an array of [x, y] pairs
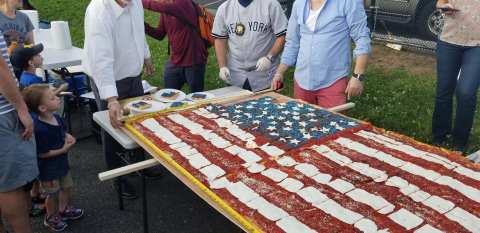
{"points": [[224, 74], [263, 64]]}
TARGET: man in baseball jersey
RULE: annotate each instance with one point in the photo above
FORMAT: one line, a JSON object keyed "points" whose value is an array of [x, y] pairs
{"points": [[253, 33]]}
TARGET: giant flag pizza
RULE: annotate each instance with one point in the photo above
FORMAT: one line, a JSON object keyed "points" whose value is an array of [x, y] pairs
{"points": [[290, 167]]}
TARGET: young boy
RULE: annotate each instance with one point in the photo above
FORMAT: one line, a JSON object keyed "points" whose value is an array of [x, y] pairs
{"points": [[27, 59], [53, 144]]}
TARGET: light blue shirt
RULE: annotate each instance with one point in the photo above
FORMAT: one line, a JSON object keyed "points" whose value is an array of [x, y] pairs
{"points": [[324, 56]]}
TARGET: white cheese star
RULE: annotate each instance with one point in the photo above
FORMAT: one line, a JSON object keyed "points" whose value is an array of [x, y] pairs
{"points": [[307, 136], [294, 141]]}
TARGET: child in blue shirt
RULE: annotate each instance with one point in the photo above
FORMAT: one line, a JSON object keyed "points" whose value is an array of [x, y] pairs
{"points": [[28, 58], [53, 144]]}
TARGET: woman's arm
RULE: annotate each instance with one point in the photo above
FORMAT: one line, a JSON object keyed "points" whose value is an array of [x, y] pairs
{"points": [[29, 38]]}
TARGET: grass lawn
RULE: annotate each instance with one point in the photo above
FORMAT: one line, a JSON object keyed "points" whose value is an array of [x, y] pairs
{"points": [[394, 99]]}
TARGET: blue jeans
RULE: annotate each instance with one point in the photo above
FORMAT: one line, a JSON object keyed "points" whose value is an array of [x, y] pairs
{"points": [[175, 76], [450, 60]]}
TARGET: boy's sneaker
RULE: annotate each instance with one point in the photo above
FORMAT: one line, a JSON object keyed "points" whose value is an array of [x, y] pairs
{"points": [[37, 210], [55, 223], [71, 213]]}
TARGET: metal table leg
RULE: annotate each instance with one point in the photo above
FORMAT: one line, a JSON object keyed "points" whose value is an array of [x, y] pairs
{"points": [[119, 193], [144, 205]]}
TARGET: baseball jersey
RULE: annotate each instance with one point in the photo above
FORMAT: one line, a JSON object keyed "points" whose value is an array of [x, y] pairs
{"points": [[263, 21]]}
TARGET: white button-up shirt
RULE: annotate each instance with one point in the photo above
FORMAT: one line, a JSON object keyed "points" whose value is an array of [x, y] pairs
{"points": [[115, 44]]}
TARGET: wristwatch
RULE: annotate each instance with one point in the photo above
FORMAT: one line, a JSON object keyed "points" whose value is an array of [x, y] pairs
{"points": [[359, 77], [270, 57]]}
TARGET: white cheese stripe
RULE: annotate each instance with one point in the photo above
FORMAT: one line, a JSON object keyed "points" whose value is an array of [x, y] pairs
{"points": [[341, 213], [428, 229], [225, 123], [272, 150], [187, 123], [160, 131], [466, 190], [464, 218], [431, 157], [406, 219], [292, 225], [205, 113]]}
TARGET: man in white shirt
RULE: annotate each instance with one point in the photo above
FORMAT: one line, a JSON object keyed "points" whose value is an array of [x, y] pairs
{"points": [[115, 50]]}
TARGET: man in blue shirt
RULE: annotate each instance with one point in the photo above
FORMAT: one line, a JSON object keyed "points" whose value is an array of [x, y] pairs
{"points": [[318, 43]]}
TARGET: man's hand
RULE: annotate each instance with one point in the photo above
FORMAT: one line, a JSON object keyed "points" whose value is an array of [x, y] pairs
{"points": [[148, 68], [27, 123], [354, 88], [263, 64], [224, 74], [277, 81], [70, 139], [115, 111]]}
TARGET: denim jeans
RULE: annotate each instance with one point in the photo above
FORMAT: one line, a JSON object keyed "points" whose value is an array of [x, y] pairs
{"points": [[175, 76], [452, 59]]}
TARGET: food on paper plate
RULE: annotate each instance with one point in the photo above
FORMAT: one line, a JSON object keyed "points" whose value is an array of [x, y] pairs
{"points": [[141, 105], [170, 95], [199, 96]]}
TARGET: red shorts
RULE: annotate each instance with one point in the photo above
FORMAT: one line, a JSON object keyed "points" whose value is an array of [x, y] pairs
{"points": [[328, 97]]}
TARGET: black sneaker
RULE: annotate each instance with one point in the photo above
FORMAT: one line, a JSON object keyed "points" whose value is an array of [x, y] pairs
{"points": [[127, 190]]}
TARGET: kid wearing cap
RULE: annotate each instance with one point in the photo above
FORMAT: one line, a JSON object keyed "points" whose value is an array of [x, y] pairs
{"points": [[27, 59]]}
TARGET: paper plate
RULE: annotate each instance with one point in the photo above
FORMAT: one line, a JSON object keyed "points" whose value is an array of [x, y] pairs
{"points": [[154, 106], [207, 95], [179, 96]]}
